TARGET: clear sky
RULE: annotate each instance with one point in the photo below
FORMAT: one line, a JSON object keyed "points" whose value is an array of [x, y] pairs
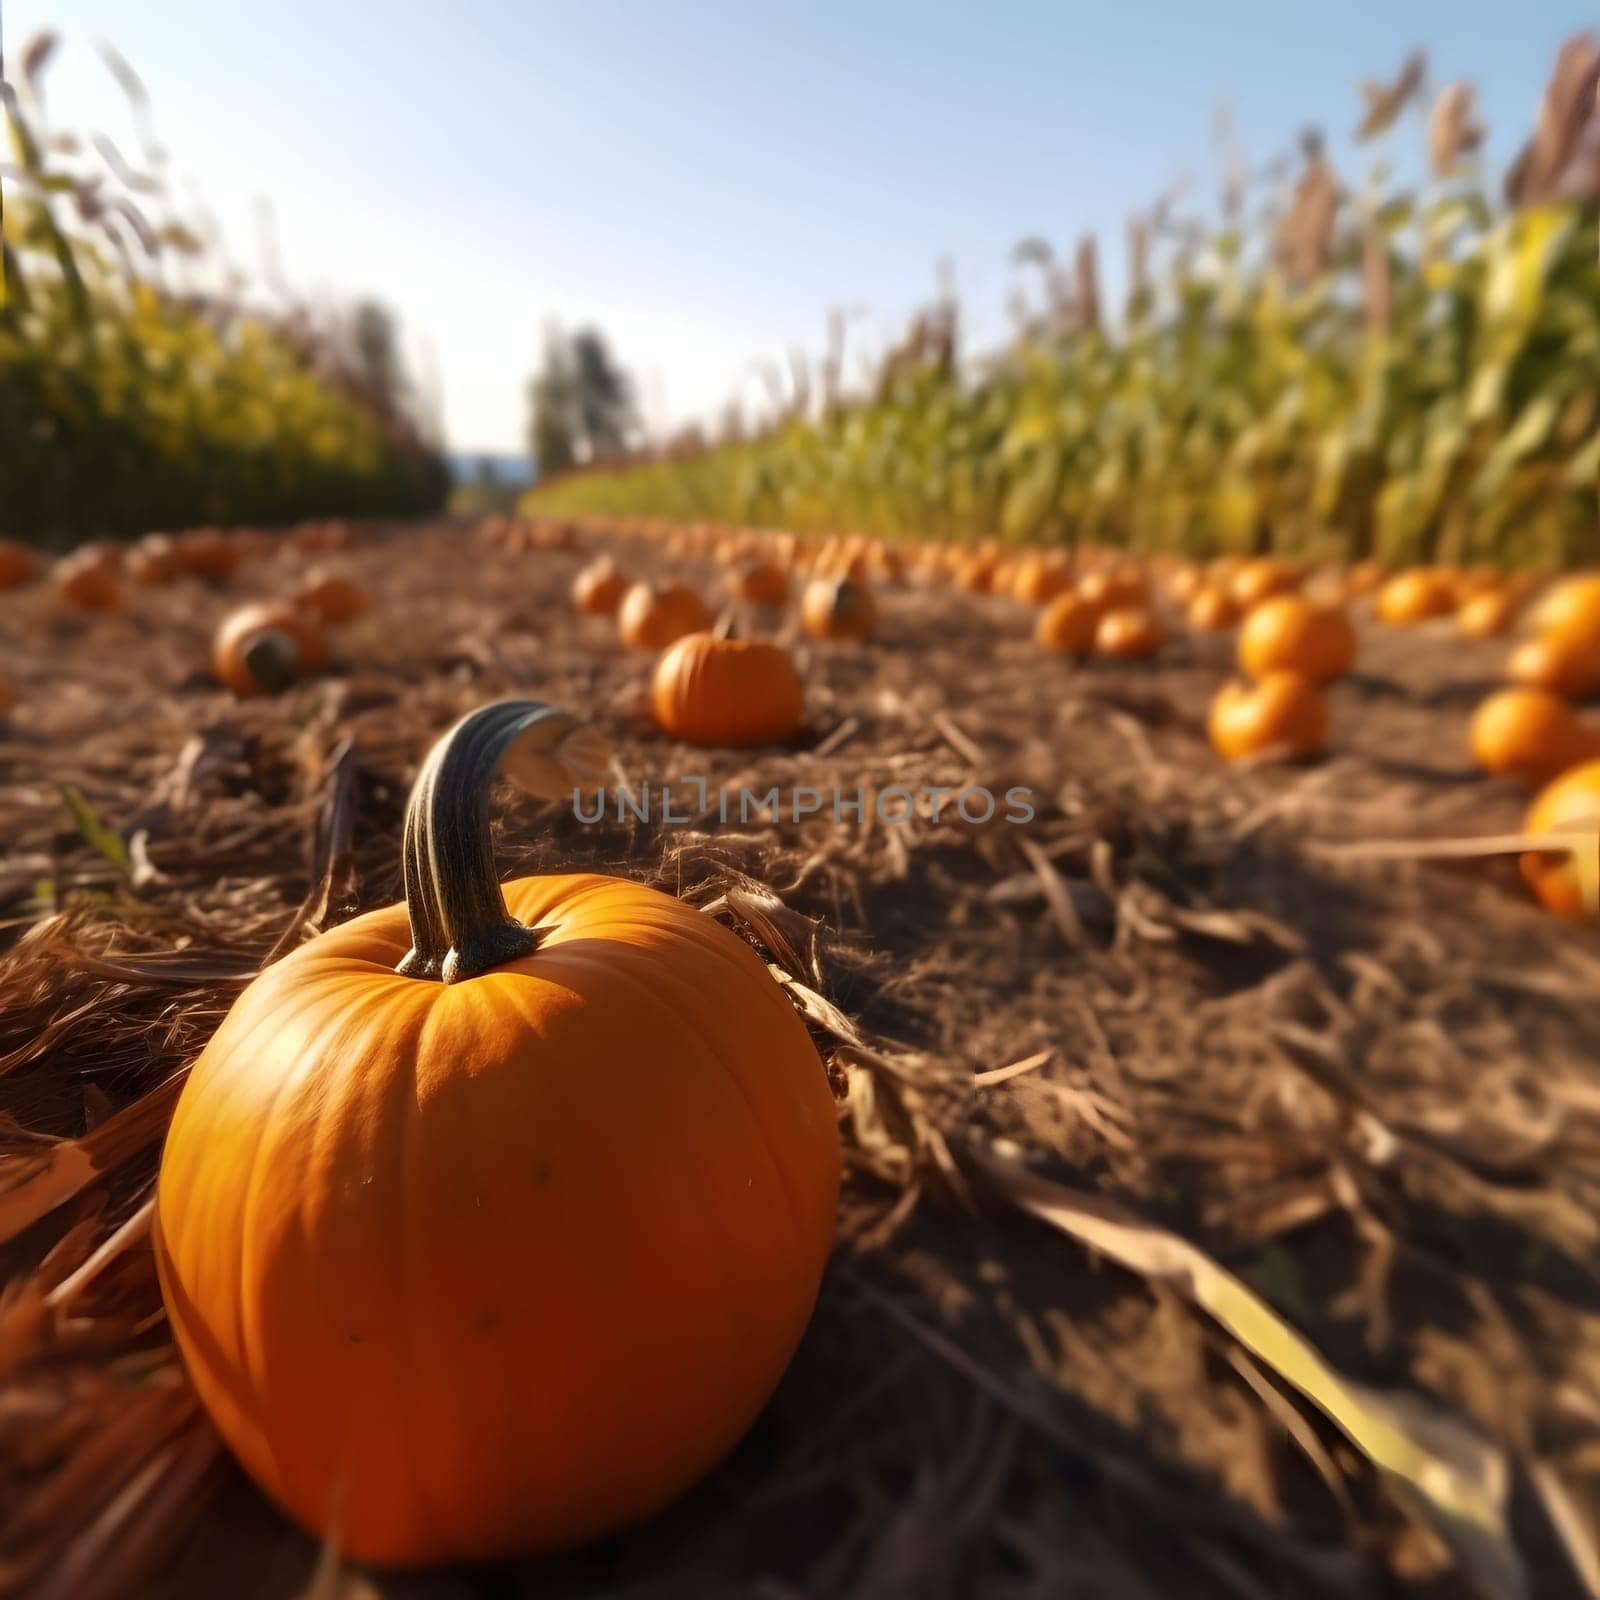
{"points": [[705, 178]]}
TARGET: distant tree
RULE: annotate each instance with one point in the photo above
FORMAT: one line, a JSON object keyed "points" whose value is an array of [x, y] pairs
{"points": [[581, 403], [375, 353], [604, 393]]}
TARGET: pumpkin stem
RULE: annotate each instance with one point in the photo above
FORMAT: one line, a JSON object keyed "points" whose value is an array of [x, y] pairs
{"points": [[727, 625], [272, 660], [460, 926]]}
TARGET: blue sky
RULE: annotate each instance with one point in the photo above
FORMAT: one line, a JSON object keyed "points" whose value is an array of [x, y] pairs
{"points": [[706, 180]]}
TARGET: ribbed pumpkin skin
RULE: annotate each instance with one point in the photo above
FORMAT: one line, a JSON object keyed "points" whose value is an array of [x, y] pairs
{"points": [[495, 1267], [727, 692]]}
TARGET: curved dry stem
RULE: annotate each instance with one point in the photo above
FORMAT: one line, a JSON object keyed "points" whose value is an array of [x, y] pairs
{"points": [[459, 923]]}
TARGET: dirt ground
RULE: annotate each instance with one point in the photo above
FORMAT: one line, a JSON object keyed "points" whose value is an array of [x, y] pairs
{"points": [[1367, 1087]]}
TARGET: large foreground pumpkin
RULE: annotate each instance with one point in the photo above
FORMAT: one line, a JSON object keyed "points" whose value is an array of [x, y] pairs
{"points": [[486, 1224]]}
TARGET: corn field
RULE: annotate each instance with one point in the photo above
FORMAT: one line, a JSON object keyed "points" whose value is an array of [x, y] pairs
{"points": [[1407, 374], [131, 400]]}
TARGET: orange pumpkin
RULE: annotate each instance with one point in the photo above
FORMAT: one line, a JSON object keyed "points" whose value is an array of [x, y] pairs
{"points": [[1365, 577], [1261, 579], [486, 1224], [331, 596], [1038, 580], [838, 608], [1415, 596], [153, 560], [1067, 625], [1114, 588], [1529, 734], [1282, 711], [262, 649], [759, 583], [1290, 634], [18, 564], [598, 589], [719, 691], [1561, 663], [1488, 614], [208, 553], [1130, 633], [976, 574], [651, 618], [1569, 805], [1570, 609], [1213, 609], [88, 580]]}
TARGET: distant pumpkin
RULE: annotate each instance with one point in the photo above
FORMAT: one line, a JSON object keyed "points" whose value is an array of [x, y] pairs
{"points": [[1487, 614], [1037, 580], [89, 579], [1565, 664], [651, 618], [1289, 633], [1415, 596], [18, 564], [263, 649], [838, 608], [1529, 734], [331, 596], [759, 583], [727, 692], [1213, 609], [1067, 625], [598, 589], [1283, 710], [1130, 633], [1568, 805], [1570, 609]]}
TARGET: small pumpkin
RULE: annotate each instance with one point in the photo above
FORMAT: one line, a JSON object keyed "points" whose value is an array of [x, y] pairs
{"points": [[153, 560], [1067, 625], [598, 589], [759, 583], [488, 1222], [262, 649], [1529, 734], [651, 617], [1130, 633], [1415, 596], [1570, 609], [1262, 579], [1213, 609], [1562, 663], [1487, 614], [1281, 711], [18, 564], [1289, 633], [1114, 588], [1570, 804], [89, 579], [838, 608], [713, 690], [208, 553], [333, 597], [1038, 580]]}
